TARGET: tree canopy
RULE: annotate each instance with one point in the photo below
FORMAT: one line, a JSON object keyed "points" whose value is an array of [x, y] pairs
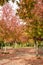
{"points": [[31, 11], [10, 26], [2, 2]]}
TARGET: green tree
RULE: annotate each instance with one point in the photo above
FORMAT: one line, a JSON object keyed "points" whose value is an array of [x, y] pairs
{"points": [[2, 2]]}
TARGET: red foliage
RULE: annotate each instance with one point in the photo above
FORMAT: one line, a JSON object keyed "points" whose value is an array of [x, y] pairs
{"points": [[11, 25]]}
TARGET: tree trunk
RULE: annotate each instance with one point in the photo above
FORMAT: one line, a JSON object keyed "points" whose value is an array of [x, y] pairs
{"points": [[5, 49], [36, 48], [15, 44]]}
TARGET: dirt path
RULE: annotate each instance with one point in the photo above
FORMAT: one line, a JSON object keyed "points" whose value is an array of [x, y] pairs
{"points": [[24, 56]]}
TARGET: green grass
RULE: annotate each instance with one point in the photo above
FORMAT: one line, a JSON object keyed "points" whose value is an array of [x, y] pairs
{"points": [[19, 45]]}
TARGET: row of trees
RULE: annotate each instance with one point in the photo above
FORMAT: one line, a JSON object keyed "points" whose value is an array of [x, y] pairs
{"points": [[31, 12]]}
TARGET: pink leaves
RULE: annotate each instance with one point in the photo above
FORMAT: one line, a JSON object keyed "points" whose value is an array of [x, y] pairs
{"points": [[8, 12], [9, 16], [13, 28], [39, 7]]}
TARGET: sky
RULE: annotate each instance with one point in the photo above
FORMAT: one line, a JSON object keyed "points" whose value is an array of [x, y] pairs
{"points": [[14, 4], [0, 13]]}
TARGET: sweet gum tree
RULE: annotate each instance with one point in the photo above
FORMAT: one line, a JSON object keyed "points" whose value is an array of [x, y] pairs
{"points": [[10, 25], [31, 11]]}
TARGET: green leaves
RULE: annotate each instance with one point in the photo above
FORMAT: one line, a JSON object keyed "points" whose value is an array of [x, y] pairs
{"points": [[2, 2], [25, 8], [30, 10]]}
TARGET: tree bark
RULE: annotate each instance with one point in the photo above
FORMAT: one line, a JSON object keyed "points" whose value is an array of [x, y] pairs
{"points": [[36, 48]]}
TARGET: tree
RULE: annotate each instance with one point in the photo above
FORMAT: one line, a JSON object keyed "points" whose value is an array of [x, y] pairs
{"points": [[32, 14], [7, 23], [2, 2], [10, 25]]}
